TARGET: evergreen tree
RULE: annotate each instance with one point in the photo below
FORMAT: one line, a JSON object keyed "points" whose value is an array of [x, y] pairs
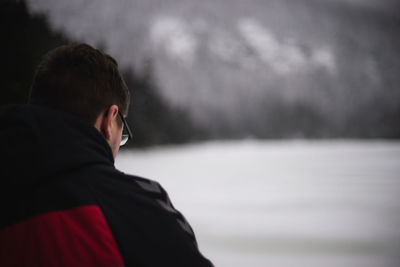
{"points": [[25, 39], [153, 120]]}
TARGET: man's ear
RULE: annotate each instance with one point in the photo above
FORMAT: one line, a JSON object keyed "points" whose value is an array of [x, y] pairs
{"points": [[108, 121]]}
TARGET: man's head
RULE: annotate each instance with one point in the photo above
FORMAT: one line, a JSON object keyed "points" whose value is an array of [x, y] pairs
{"points": [[85, 82]]}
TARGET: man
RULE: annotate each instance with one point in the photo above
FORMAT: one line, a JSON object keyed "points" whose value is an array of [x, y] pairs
{"points": [[63, 203]]}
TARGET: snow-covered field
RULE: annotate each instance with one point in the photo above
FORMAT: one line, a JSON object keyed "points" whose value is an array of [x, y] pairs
{"points": [[284, 203]]}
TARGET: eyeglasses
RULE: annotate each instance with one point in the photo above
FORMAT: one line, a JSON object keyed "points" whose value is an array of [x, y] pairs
{"points": [[126, 132]]}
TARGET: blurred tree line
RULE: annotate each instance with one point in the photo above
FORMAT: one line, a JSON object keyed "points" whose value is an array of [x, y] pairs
{"points": [[152, 120], [24, 41], [28, 37]]}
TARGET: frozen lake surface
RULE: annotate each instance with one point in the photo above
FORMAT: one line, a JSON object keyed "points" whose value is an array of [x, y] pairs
{"points": [[284, 203]]}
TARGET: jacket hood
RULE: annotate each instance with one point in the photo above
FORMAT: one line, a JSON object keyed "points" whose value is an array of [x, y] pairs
{"points": [[39, 143]]}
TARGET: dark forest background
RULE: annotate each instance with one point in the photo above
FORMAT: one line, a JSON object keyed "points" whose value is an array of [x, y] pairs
{"points": [[27, 37]]}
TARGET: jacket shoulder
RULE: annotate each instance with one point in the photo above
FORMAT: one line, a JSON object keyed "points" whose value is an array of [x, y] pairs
{"points": [[144, 221]]}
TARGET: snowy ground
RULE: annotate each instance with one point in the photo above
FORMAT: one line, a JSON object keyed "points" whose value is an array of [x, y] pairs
{"points": [[284, 203]]}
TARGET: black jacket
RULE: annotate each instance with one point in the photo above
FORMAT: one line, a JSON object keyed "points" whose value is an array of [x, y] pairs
{"points": [[63, 202]]}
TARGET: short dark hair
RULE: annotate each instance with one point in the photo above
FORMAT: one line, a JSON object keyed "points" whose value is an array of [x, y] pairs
{"points": [[81, 80]]}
